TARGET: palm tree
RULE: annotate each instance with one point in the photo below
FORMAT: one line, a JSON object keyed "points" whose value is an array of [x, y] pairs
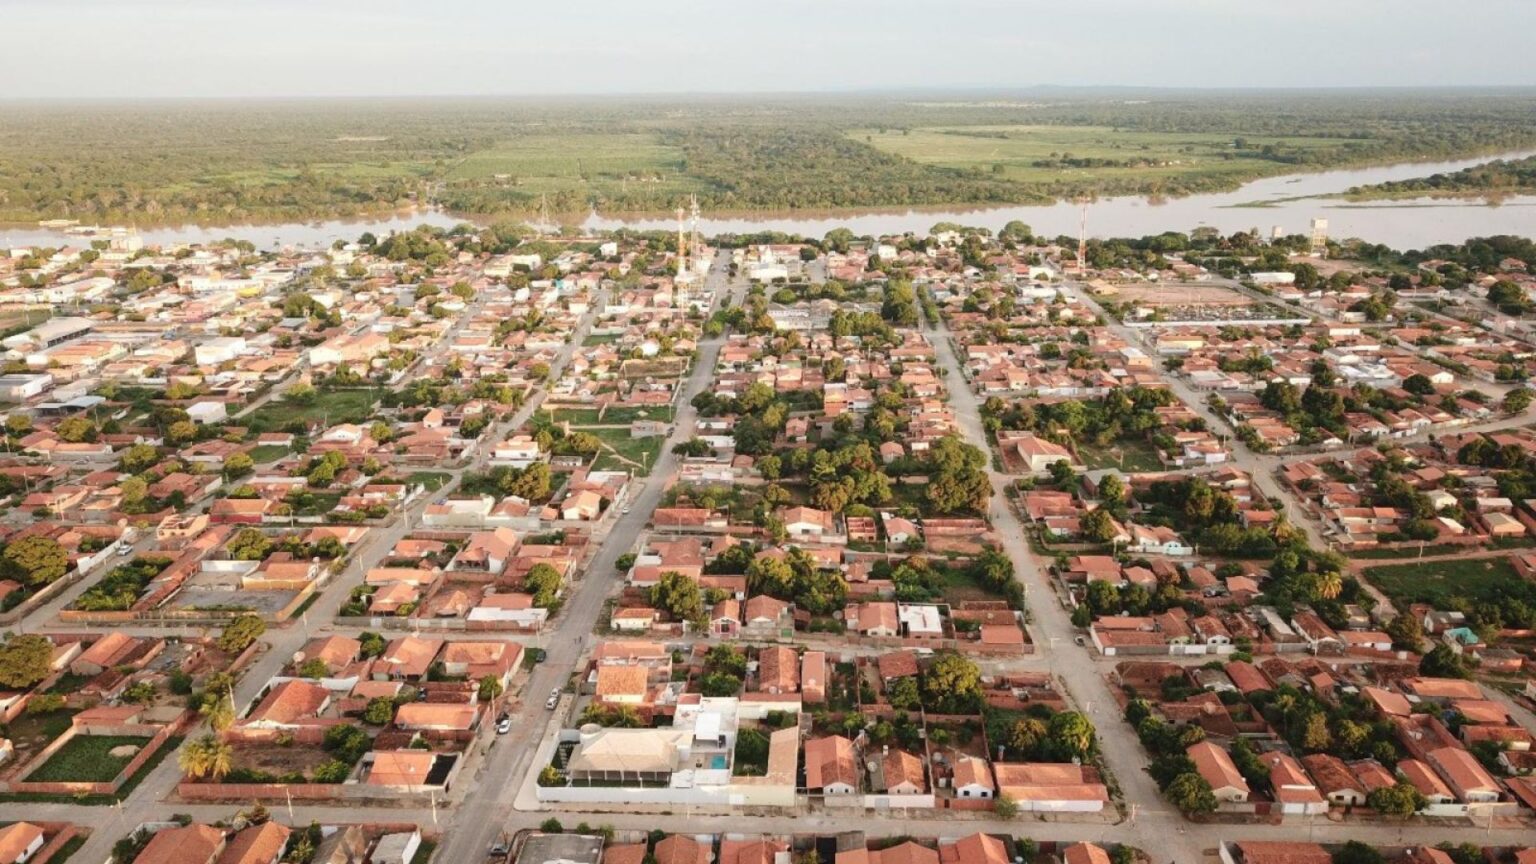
{"points": [[1329, 584], [206, 757]]}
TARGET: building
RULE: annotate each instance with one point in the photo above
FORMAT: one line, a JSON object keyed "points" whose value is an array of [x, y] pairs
{"points": [[1217, 768]]}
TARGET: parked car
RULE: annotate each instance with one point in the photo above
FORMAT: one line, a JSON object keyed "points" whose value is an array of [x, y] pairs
{"points": [[554, 699]]}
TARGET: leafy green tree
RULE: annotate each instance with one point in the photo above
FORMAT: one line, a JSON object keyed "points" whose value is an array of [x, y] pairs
{"points": [[25, 660], [1402, 800], [952, 685], [138, 458], [1191, 793], [238, 465], [1517, 400], [679, 596], [35, 561], [1072, 736], [1442, 662], [250, 544], [489, 688], [380, 710], [240, 633]]}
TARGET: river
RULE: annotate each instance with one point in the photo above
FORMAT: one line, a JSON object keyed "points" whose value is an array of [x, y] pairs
{"points": [[1288, 201]]}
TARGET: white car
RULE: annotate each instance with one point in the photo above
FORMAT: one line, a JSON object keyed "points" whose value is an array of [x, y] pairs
{"points": [[554, 699]]}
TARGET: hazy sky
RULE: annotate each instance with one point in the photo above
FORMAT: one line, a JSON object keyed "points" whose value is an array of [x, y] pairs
{"points": [[129, 48]]}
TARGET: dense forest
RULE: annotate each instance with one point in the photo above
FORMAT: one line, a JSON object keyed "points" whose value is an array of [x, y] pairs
{"points": [[1493, 180], [227, 162]]}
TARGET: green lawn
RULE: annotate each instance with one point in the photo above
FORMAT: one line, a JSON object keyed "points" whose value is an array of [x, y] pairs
{"points": [[327, 406], [1017, 149], [639, 454], [612, 416], [88, 759], [1435, 582], [265, 453], [578, 161], [1129, 456], [433, 480]]}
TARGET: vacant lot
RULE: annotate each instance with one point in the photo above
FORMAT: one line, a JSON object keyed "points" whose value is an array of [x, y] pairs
{"points": [[611, 416], [1435, 582], [1053, 154], [90, 759], [328, 407], [1131, 455], [1159, 295], [623, 453]]}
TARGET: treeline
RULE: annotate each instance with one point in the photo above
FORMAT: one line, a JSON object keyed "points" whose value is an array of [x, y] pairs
{"points": [[1500, 177]]}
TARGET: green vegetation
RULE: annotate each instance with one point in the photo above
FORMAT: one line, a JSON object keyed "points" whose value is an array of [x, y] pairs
{"points": [[88, 759], [1481, 580], [1493, 180], [322, 406], [120, 589], [222, 164]]}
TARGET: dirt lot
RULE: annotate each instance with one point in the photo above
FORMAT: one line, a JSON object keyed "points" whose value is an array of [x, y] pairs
{"points": [[1164, 295], [279, 760]]}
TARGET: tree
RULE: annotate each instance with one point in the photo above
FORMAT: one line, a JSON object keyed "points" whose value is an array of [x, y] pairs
{"points": [[181, 432], [249, 545], [1418, 385], [238, 465], [1442, 662], [35, 561], [1329, 584], [1072, 736], [1027, 735], [1517, 400], [1402, 800], [1191, 793], [720, 684], [771, 576], [1407, 633], [952, 685], [139, 457], [240, 633], [903, 694], [372, 644], [490, 688], [380, 710], [1098, 526], [1061, 473], [75, 430], [1005, 807], [206, 757], [1355, 852], [679, 596], [24, 661]]}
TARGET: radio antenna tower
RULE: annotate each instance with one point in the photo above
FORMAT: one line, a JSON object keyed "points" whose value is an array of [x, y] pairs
{"points": [[1082, 240], [695, 246]]}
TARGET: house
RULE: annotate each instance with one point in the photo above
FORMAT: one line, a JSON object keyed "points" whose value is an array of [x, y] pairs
{"points": [[1036, 454], [1423, 778], [585, 505], [813, 677], [1334, 779], [902, 773], [908, 852], [189, 844], [437, 716], [1293, 790], [256, 844], [289, 704], [973, 778], [831, 766], [1084, 853], [778, 671], [1218, 769], [1466, 777], [1048, 787], [873, 619], [675, 849], [622, 685], [975, 848], [19, 841], [807, 522]]}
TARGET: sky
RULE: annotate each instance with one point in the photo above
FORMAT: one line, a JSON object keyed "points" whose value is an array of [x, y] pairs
{"points": [[122, 49]]}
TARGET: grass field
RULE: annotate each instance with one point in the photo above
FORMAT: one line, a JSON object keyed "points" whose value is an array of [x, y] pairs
{"points": [[329, 407], [268, 453], [638, 454], [1478, 579], [1129, 456], [433, 480], [88, 759], [1011, 152], [611, 417]]}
